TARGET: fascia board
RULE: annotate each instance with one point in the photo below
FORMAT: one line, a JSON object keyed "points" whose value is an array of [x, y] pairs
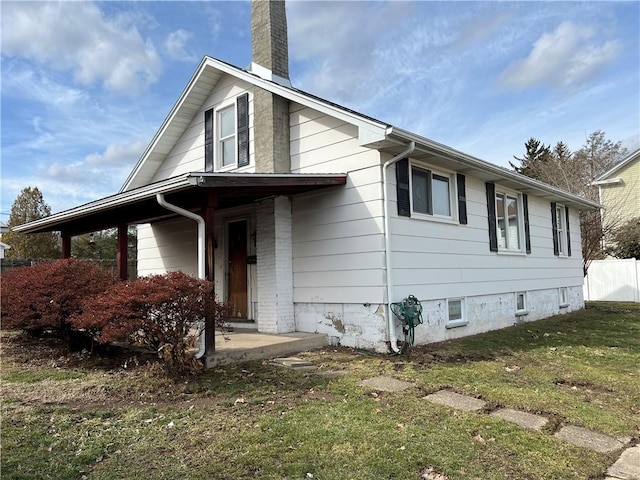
{"points": [[494, 170], [165, 124], [634, 156], [119, 199]]}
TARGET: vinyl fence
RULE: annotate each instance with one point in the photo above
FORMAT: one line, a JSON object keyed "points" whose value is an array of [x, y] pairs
{"points": [[613, 280]]}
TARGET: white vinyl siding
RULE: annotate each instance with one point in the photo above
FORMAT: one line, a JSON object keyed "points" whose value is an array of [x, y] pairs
{"points": [[338, 246], [432, 260]]}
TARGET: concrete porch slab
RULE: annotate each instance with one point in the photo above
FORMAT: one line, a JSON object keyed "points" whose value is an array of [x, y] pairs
{"points": [[245, 347]]}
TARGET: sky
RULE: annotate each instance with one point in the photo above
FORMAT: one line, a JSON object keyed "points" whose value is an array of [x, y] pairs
{"points": [[85, 85]]}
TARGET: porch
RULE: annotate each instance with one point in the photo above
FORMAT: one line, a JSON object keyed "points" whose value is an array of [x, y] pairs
{"points": [[239, 347]]}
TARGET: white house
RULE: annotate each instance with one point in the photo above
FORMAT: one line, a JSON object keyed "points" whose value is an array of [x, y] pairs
{"points": [[311, 217]]}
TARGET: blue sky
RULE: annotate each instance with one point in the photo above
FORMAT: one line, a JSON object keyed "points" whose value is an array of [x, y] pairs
{"points": [[85, 85]]}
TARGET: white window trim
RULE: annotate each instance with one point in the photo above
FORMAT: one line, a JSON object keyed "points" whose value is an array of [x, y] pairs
{"points": [[525, 309], [463, 310], [564, 303], [231, 103], [453, 193], [521, 235], [561, 218]]}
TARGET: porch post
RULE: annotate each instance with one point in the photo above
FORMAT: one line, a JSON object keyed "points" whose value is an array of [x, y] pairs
{"points": [[122, 255], [208, 215], [66, 245]]}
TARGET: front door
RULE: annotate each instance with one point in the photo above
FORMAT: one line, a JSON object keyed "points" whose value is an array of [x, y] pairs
{"points": [[237, 269]]}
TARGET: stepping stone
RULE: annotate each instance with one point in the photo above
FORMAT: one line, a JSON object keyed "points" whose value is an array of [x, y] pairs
{"points": [[581, 437], [455, 400], [385, 384], [523, 419], [628, 465], [294, 362]]}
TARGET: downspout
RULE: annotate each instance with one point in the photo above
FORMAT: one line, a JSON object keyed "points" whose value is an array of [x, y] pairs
{"points": [[387, 245], [201, 248]]}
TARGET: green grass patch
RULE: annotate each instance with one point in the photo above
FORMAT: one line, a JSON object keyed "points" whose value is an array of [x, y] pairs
{"points": [[261, 421]]}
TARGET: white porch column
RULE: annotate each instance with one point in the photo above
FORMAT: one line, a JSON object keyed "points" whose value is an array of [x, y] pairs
{"points": [[274, 253]]}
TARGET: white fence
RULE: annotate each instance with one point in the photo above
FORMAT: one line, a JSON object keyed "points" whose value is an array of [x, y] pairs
{"points": [[613, 280]]}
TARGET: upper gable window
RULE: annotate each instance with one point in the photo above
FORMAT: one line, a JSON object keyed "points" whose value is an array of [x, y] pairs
{"points": [[226, 137]]}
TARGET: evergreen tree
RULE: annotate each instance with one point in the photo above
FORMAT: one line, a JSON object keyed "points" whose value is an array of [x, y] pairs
{"points": [[29, 206]]}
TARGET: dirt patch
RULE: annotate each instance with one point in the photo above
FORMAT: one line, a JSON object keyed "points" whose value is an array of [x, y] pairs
{"points": [[585, 386]]}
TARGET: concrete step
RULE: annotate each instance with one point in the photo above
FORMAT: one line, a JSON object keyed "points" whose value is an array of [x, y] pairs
{"points": [[245, 347]]}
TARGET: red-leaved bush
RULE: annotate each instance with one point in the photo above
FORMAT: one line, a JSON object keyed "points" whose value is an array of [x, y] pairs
{"points": [[43, 297], [162, 313]]}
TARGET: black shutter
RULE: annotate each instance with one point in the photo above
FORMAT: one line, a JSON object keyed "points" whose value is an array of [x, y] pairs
{"points": [[527, 232], [554, 229], [242, 114], [402, 187], [462, 199], [566, 214], [208, 140], [491, 216]]}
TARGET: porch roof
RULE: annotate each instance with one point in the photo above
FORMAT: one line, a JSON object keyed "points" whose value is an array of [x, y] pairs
{"points": [[189, 191]]}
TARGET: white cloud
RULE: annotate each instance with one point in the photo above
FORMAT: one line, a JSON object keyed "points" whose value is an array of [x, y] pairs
{"points": [[176, 46], [76, 37], [562, 58]]}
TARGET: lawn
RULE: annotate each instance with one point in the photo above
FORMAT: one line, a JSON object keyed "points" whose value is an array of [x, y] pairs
{"points": [[73, 416]]}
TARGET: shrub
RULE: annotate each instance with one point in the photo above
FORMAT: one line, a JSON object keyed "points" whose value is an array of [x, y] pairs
{"points": [[43, 297], [162, 313]]}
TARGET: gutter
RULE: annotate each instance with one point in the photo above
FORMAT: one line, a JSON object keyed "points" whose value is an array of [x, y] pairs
{"points": [[500, 172], [201, 249], [393, 337]]}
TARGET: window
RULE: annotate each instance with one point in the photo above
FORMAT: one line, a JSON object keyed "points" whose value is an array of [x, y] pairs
{"points": [[560, 228], [508, 219], [226, 137], [563, 297], [430, 193], [421, 192], [521, 302], [455, 313]]}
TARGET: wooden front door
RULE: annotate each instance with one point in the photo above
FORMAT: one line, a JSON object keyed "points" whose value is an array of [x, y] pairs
{"points": [[237, 269]]}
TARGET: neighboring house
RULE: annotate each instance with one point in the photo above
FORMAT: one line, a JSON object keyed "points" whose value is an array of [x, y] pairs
{"points": [[619, 190], [311, 217], [3, 247]]}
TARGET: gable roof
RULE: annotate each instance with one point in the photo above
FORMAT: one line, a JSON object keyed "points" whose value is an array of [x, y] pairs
{"points": [[372, 133], [602, 179], [207, 75]]}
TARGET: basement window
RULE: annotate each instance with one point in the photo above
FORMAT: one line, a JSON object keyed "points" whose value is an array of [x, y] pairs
{"points": [[521, 303], [456, 313], [563, 297]]}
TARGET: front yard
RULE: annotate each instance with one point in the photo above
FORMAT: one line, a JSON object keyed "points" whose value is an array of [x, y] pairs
{"points": [[73, 416]]}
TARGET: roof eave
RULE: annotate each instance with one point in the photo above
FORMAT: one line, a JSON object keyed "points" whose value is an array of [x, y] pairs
{"points": [[490, 171]]}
